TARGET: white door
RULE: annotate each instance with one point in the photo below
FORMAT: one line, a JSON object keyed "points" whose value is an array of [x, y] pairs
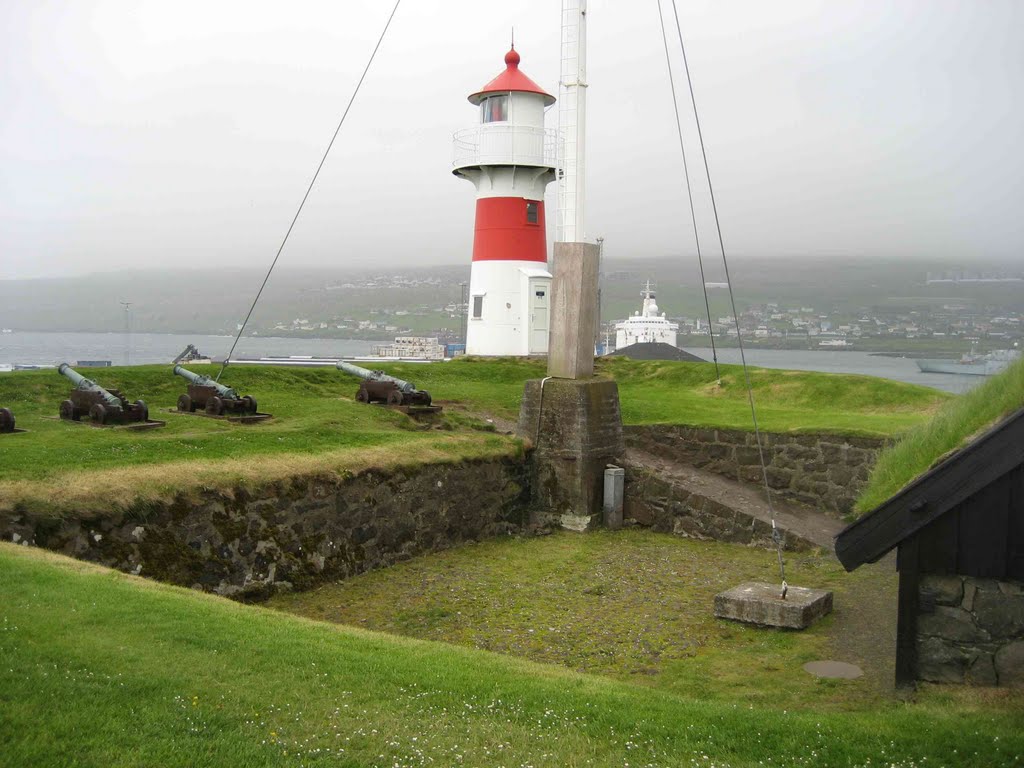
{"points": [[540, 311]]}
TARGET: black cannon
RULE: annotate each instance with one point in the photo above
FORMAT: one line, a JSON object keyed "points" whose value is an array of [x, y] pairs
{"points": [[103, 406], [378, 387], [211, 396], [6, 420]]}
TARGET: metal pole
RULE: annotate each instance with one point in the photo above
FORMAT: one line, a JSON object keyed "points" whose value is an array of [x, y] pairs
{"points": [[127, 332], [600, 282], [572, 111]]}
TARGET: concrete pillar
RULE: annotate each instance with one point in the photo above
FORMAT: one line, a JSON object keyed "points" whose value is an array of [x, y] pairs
{"points": [[573, 311]]}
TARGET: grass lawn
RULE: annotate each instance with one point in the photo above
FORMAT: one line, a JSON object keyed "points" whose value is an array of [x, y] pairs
{"points": [[953, 426], [98, 668], [637, 606], [659, 392], [318, 428]]}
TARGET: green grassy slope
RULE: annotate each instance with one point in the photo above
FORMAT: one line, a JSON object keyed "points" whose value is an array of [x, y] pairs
{"points": [[103, 669], [953, 426], [319, 428], [654, 392]]}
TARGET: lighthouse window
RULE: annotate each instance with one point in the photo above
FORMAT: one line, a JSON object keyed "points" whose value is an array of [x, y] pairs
{"points": [[494, 109], [531, 211], [478, 307]]}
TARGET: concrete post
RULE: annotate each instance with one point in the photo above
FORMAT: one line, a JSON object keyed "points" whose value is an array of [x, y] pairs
{"points": [[573, 311]]}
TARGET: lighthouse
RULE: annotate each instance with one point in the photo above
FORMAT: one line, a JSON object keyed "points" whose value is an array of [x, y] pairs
{"points": [[510, 157]]}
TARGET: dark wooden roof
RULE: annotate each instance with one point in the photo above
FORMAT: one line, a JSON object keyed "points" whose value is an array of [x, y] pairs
{"points": [[935, 493]]}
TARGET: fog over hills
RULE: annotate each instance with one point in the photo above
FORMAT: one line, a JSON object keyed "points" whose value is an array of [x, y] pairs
{"points": [[427, 298]]}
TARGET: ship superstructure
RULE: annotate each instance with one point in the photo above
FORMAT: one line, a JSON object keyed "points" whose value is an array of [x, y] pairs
{"points": [[646, 326]]}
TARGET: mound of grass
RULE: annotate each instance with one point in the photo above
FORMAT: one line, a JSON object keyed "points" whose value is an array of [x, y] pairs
{"points": [[318, 429], [960, 420], [104, 669], [660, 392]]}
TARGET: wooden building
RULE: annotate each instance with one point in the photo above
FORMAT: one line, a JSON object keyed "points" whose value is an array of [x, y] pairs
{"points": [[959, 535]]}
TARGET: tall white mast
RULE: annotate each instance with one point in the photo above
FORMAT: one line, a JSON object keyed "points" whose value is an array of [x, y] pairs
{"points": [[572, 113]]}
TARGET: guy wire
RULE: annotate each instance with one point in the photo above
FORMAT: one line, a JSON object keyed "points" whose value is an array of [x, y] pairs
{"points": [[309, 189], [776, 537], [689, 191]]}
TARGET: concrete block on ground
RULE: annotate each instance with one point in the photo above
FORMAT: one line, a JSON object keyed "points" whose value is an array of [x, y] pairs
{"points": [[755, 602]]}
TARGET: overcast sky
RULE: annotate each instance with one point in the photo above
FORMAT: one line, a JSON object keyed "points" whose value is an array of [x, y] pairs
{"points": [[168, 134]]}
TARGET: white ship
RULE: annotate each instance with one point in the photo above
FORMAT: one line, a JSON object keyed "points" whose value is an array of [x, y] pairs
{"points": [[646, 326], [973, 364]]}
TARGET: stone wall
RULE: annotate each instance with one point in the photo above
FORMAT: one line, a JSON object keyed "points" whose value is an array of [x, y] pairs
{"points": [[971, 630], [824, 471], [667, 508], [296, 534]]}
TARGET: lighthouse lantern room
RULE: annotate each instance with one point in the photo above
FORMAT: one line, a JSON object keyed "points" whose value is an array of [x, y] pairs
{"points": [[510, 157]]}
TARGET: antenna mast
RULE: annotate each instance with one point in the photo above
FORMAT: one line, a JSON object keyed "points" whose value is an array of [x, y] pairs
{"points": [[572, 112]]}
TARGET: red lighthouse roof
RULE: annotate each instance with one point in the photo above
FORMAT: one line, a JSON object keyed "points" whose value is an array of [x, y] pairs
{"points": [[512, 79]]}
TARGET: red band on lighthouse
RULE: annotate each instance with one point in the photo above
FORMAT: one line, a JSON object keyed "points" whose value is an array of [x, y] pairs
{"points": [[509, 229]]}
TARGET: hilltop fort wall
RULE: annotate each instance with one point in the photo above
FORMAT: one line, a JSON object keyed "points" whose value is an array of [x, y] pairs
{"points": [[293, 535], [819, 470]]}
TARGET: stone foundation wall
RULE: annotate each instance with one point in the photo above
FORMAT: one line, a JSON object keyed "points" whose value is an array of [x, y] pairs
{"points": [[971, 631], [296, 534], [824, 471], [576, 430], [667, 508]]}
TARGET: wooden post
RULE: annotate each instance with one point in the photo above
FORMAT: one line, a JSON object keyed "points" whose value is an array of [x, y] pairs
{"points": [[573, 311]]}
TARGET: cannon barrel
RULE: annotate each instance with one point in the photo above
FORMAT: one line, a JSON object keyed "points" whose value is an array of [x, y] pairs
{"points": [[205, 381], [87, 385], [365, 373]]}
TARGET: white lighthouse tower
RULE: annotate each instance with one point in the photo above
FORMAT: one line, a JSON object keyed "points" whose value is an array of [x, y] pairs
{"points": [[510, 157]]}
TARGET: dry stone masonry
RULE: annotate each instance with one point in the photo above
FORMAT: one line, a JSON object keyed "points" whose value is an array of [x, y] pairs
{"points": [[294, 534], [819, 470], [971, 630]]}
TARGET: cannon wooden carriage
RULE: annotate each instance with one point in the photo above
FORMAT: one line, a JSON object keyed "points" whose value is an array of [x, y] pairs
{"points": [[379, 387], [6, 420], [102, 406], [211, 396]]}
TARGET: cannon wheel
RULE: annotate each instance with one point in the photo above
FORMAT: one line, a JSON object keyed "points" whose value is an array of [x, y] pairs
{"points": [[142, 409], [426, 396], [67, 411], [250, 404], [394, 397], [98, 414], [6, 420], [185, 404], [215, 406], [362, 396]]}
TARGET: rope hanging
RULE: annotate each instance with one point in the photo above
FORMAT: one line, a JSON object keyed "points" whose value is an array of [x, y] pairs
{"points": [[309, 189], [776, 536], [689, 191]]}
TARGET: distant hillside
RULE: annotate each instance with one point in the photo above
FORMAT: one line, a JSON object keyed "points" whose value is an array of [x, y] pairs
{"points": [[214, 300]]}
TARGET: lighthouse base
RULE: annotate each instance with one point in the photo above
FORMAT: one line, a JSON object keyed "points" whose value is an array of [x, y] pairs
{"points": [[576, 429]]}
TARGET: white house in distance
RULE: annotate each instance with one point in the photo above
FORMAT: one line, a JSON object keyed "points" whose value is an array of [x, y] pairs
{"points": [[510, 157], [646, 326]]}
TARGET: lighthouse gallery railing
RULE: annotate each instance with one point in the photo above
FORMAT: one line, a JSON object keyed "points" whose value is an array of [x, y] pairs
{"points": [[506, 145]]}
